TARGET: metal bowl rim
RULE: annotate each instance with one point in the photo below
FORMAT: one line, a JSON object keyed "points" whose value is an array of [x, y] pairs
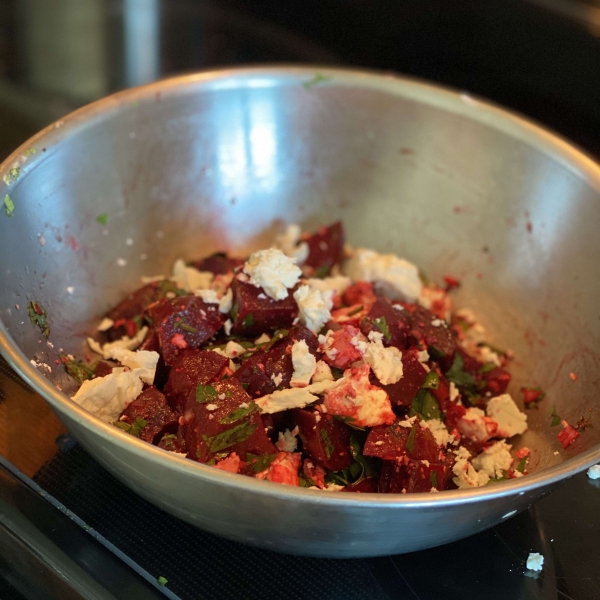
{"points": [[273, 76]]}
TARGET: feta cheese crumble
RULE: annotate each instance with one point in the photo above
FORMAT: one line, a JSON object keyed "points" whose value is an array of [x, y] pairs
{"points": [[105, 350], [466, 475], [494, 460], [288, 441], [305, 364], [594, 472], [511, 421], [439, 431], [385, 362], [338, 284], [189, 278], [322, 372], [273, 271], [281, 400], [105, 324], [394, 277], [535, 561], [314, 307], [289, 243]]}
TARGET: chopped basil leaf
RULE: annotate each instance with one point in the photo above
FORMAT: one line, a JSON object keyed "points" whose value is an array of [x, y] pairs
{"points": [[355, 311], [9, 206], [134, 429], [162, 580], [168, 440], [187, 327], [410, 442], [234, 312], [498, 479], [102, 219], [349, 421], [37, 315], [337, 373], [433, 479], [425, 405], [432, 381], [245, 385], [322, 272], [211, 463], [521, 465], [122, 425], [240, 413], [305, 482], [248, 320], [77, 369], [318, 78], [327, 445], [168, 287], [231, 437], [205, 394], [456, 373], [486, 368], [383, 327], [261, 462], [368, 465], [556, 420]]}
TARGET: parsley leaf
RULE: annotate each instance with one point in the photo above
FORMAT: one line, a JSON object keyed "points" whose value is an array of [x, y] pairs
{"points": [[38, 317], [432, 381], [102, 219], [248, 320], [383, 327], [132, 429], [205, 394], [9, 206], [556, 420], [240, 413], [77, 369], [410, 442], [186, 327], [261, 462], [521, 465], [327, 445], [486, 368], [425, 405], [433, 479], [231, 437], [457, 374]]}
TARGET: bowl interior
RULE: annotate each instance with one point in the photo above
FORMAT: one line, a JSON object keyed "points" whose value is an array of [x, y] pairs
{"points": [[211, 162]]}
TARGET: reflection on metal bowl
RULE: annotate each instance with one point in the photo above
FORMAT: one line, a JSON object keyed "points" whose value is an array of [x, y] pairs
{"points": [[214, 161]]}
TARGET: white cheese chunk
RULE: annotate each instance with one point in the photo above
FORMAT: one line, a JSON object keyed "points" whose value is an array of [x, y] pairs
{"points": [[273, 271], [440, 432], [338, 284], [535, 561], [385, 362], [494, 460], [126, 342], [304, 364], [232, 350], [395, 277], [511, 421], [466, 476], [105, 324], [288, 441], [289, 243], [142, 361], [189, 278], [314, 307], [209, 296], [281, 400], [322, 372], [226, 302], [263, 339]]}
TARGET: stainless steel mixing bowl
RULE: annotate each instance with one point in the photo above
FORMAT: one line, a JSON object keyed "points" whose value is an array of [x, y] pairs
{"points": [[215, 160]]}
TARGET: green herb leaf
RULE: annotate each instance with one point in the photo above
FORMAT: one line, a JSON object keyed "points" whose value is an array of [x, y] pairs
{"points": [[432, 381], [457, 374], [231, 437], [248, 320], [261, 462], [162, 580], [556, 420], [337, 373], [205, 394], [426, 406], [521, 465], [433, 479], [9, 206], [410, 442], [168, 440], [186, 327], [305, 482], [382, 325], [240, 413], [30, 151], [327, 445], [134, 429], [355, 311], [486, 368], [316, 80], [499, 479], [38, 317], [102, 219], [322, 272], [235, 309], [77, 369], [349, 421], [368, 465]]}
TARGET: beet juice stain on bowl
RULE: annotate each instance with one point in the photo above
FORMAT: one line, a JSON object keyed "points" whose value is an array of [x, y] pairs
{"points": [[289, 153], [309, 364]]}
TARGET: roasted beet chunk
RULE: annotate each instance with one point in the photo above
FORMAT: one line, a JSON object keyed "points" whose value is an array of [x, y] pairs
{"points": [[173, 442], [393, 323], [223, 419], [360, 293], [325, 439], [150, 407], [394, 441], [495, 381], [189, 369], [218, 263], [269, 369], [432, 332], [185, 322], [415, 476], [366, 486], [254, 312], [403, 392], [325, 249]]}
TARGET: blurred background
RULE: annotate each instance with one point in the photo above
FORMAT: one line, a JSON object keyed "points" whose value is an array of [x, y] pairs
{"points": [[539, 57]]}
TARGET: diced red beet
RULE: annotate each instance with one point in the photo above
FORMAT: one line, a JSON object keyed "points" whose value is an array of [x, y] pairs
{"points": [[411, 476], [496, 381], [359, 294], [151, 406], [454, 413], [151, 341], [567, 435], [218, 263], [442, 392], [393, 477], [325, 439], [202, 423], [257, 371], [190, 369], [255, 313], [103, 369], [184, 322], [340, 352], [314, 473], [431, 331], [349, 315], [416, 442], [403, 392], [366, 486], [325, 249], [392, 322]]}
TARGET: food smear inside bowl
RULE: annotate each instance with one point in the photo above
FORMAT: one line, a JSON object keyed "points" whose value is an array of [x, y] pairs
{"points": [[309, 364]]}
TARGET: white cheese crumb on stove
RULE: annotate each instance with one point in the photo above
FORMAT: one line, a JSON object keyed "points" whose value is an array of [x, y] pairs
{"points": [[287, 442], [304, 364], [273, 271], [494, 460], [511, 421], [314, 307], [189, 278], [105, 324], [338, 284], [594, 472], [281, 400], [125, 342], [289, 243], [70, 289], [395, 277], [322, 372], [535, 561], [121, 262], [385, 362]]}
